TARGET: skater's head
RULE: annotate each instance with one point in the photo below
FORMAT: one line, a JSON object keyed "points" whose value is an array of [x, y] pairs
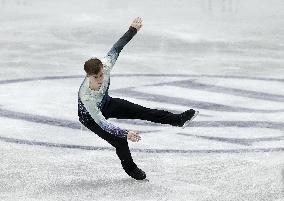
{"points": [[93, 66], [94, 70]]}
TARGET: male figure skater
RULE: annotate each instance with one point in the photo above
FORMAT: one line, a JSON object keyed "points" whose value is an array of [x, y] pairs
{"points": [[95, 106]]}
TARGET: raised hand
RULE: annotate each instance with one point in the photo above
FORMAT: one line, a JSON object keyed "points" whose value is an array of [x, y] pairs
{"points": [[137, 23]]}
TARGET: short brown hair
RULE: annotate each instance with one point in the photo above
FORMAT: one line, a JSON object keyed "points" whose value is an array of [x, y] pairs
{"points": [[93, 66]]}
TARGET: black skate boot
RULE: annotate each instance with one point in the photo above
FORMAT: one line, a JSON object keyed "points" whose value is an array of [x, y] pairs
{"points": [[187, 117], [137, 174]]}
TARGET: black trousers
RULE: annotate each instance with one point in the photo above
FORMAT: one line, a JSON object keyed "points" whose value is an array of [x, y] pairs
{"points": [[123, 109]]}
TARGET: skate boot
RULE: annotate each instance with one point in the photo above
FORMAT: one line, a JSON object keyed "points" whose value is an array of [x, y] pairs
{"points": [[137, 174], [187, 117]]}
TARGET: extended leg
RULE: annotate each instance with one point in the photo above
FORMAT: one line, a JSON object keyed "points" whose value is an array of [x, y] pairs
{"points": [[123, 109]]}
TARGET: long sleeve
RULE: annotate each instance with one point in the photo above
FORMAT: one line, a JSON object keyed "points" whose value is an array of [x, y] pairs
{"points": [[91, 100], [113, 54], [98, 117]]}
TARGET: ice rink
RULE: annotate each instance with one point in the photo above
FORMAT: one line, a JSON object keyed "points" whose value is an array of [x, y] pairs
{"points": [[224, 58]]}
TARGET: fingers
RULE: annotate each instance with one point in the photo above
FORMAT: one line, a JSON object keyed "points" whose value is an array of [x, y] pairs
{"points": [[137, 20], [137, 137], [137, 23], [133, 136]]}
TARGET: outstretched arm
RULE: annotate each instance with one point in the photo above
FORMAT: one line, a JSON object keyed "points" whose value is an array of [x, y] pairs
{"points": [[96, 114], [100, 120], [113, 54]]}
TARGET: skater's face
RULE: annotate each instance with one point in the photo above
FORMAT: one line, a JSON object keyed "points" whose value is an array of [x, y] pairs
{"points": [[96, 80]]}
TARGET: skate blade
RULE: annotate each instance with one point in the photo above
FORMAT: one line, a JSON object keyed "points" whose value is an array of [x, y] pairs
{"points": [[189, 121], [143, 180]]}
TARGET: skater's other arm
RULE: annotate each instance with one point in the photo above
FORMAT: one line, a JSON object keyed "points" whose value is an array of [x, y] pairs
{"points": [[113, 54], [98, 117], [133, 136]]}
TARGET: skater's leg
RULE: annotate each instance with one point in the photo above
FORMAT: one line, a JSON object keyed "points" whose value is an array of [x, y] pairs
{"points": [[120, 144], [123, 109], [123, 152]]}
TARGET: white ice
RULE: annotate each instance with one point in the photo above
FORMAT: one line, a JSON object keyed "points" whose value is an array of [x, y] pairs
{"points": [[222, 57]]}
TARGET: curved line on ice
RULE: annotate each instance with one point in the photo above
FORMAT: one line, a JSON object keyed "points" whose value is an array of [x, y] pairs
{"points": [[196, 151]]}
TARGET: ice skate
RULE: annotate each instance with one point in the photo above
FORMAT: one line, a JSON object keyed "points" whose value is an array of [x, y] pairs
{"points": [[137, 174], [187, 117]]}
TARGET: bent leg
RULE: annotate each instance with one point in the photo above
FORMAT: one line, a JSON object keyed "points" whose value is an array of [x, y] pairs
{"points": [[123, 109], [120, 144]]}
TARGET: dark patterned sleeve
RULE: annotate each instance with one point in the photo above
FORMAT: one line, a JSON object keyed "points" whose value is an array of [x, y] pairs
{"points": [[98, 117], [113, 54]]}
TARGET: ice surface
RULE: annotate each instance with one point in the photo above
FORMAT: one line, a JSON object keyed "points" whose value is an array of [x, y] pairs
{"points": [[222, 57]]}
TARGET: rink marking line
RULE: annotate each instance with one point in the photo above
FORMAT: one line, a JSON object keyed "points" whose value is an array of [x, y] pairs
{"points": [[10, 81], [200, 104], [130, 92], [239, 141], [221, 89], [76, 125], [164, 151]]}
